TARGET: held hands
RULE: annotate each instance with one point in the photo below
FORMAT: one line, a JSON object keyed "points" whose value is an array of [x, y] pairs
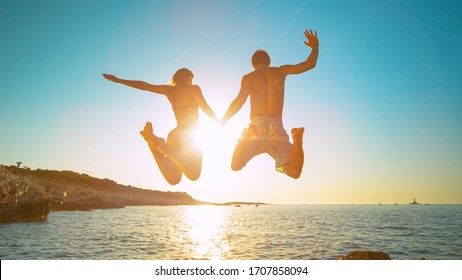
{"points": [[217, 122], [312, 38], [221, 123]]}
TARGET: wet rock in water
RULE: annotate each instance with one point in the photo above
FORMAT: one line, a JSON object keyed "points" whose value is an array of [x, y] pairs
{"points": [[16, 202], [25, 211], [365, 255]]}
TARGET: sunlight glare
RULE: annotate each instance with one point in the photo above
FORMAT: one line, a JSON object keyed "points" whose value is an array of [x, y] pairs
{"points": [[217, 144], [206, 225]]}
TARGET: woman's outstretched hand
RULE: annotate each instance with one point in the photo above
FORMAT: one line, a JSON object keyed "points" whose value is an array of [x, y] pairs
{"points": [[111, 78]]}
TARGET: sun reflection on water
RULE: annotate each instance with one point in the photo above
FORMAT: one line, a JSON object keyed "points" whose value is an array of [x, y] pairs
{"points": [[206, 228]]}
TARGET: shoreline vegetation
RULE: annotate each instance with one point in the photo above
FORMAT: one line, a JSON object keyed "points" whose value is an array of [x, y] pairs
{"points": [[28, 194]]}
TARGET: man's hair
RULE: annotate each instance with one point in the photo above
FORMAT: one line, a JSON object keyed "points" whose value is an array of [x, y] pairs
{"points": [[182, 76], [260, 57]]}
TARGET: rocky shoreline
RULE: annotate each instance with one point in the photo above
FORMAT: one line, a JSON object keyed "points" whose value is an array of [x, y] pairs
{"points": [[31, 194]]}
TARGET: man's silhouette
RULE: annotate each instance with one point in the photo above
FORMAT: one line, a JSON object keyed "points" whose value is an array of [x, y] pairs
{"points": [[265, 132]]}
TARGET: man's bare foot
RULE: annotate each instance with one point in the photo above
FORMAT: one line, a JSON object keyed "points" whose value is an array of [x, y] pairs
{"points": [[148, 128], [297, 135]]}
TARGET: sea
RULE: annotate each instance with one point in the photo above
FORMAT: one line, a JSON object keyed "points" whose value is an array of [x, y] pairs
{"points": [[247, 232]]}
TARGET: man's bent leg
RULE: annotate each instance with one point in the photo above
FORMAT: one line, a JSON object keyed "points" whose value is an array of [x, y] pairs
{"points": [[240, 156], [296, 158]]}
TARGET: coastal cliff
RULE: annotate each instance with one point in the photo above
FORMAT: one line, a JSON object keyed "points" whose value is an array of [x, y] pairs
{"points": [[29, 194], [18, 199]]}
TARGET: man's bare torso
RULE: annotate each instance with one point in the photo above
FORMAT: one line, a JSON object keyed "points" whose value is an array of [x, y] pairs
{"points": [[266, 87]]}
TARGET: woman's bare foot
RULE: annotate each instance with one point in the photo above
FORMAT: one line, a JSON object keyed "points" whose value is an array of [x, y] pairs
{"points": [[149, 136]]}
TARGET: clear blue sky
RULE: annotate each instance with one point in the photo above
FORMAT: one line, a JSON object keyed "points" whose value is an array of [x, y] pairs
{"points": [[382, 109]]}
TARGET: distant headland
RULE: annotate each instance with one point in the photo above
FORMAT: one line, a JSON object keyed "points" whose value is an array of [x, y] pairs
{"points": [[30, 194]]}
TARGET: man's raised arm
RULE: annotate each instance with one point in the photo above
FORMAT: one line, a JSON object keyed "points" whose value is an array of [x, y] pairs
{"points": [[310, 62]]}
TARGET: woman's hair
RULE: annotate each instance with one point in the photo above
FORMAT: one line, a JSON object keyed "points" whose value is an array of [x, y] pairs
{"points": [[182, 76], [261, 57]]}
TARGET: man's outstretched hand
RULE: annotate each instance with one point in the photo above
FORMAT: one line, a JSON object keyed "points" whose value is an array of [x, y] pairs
{"points": [[312, 38]]}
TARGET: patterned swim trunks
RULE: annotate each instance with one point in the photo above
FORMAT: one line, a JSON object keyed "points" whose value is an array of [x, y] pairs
{"points": [[266, 135]]}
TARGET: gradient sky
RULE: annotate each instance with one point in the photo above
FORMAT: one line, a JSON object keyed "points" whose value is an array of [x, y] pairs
{"points": [[382, 109]]}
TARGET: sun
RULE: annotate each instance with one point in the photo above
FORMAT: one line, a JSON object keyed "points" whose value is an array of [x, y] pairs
{"points": [[217, 143]]}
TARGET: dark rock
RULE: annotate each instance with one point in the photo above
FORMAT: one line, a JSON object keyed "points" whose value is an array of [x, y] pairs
{"points": [[25, 211], [365, 255]]}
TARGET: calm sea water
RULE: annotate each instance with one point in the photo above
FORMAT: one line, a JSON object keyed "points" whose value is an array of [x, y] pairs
{"points": [[270, 232]]}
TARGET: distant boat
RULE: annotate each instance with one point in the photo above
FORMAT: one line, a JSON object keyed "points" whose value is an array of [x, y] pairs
{"points": [[237, 205], [414, 202]]}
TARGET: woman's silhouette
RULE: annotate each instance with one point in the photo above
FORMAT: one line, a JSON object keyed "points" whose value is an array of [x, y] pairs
{"points": [[179, 154]]}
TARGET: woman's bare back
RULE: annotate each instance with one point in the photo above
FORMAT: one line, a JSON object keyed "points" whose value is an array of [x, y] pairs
{"points": [[184, 104]]}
